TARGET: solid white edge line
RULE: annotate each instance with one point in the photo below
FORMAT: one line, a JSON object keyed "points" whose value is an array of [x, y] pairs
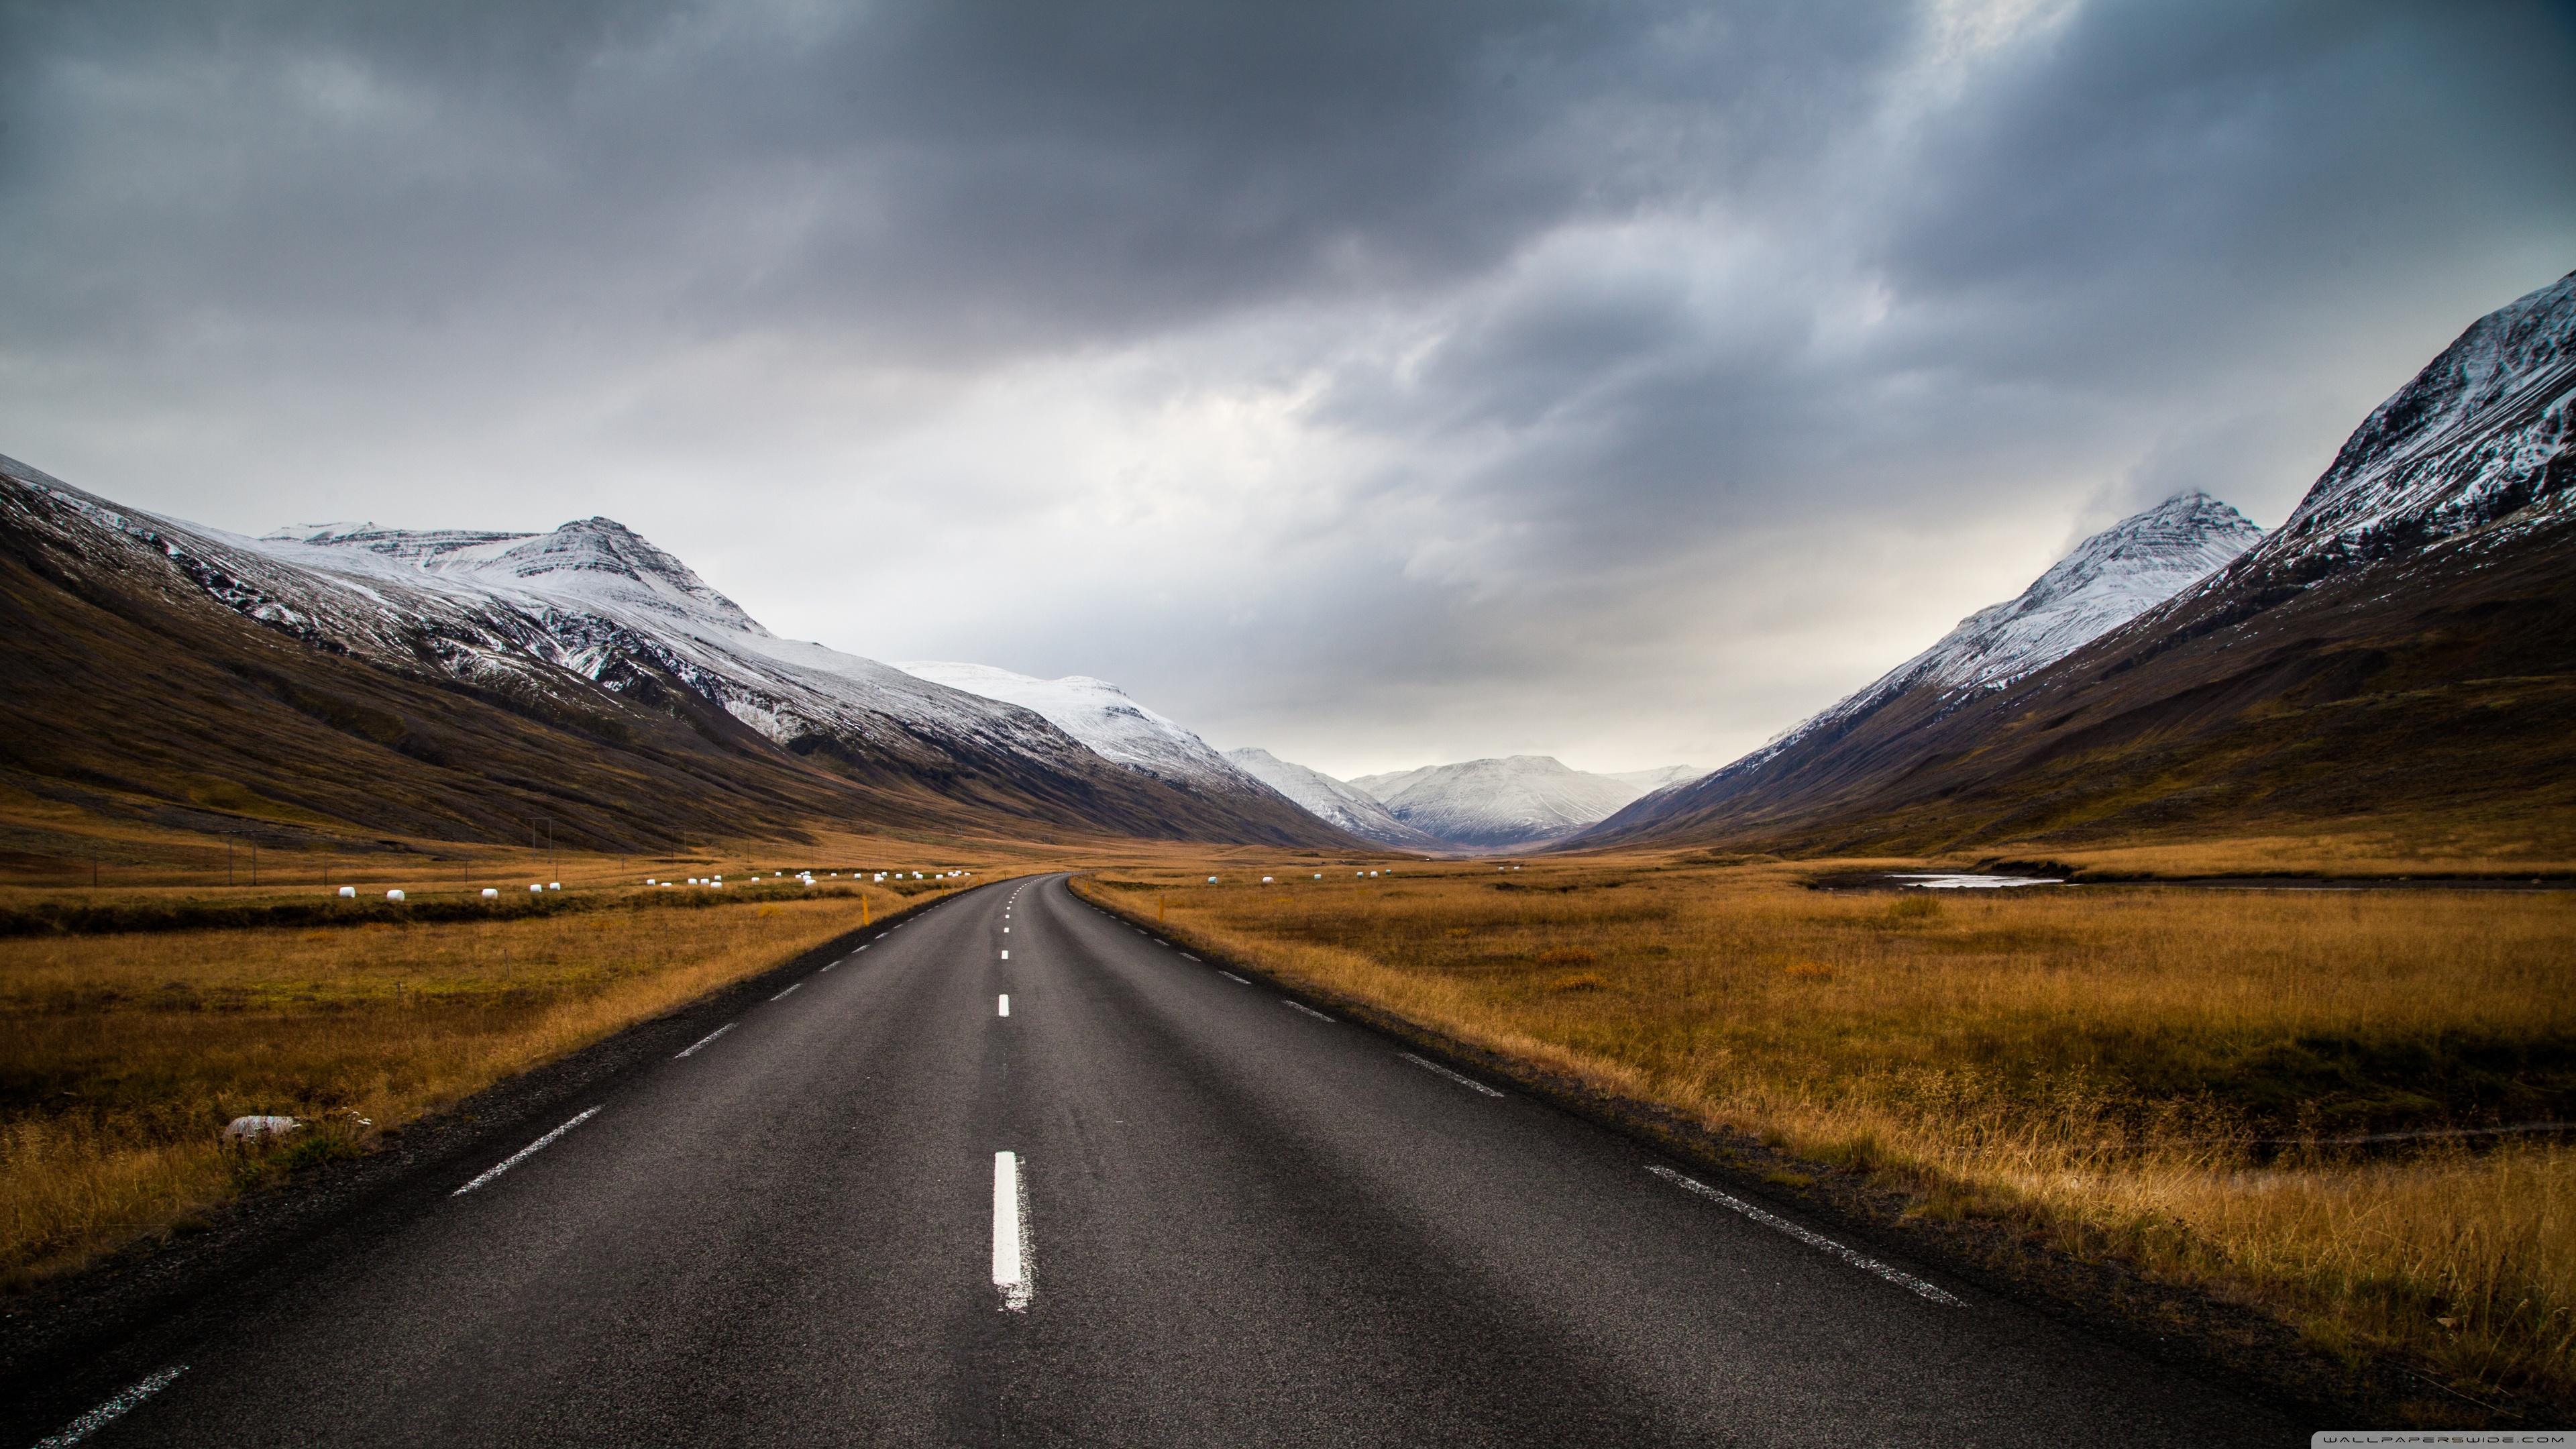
{"points": [[1011, 1258], [524, 1153], [1862, 1261], [702, 1041], [114, 1409], [783, 993], [1237, 980], [1470, 1083], [1006, 1003], [1301, 1006]]}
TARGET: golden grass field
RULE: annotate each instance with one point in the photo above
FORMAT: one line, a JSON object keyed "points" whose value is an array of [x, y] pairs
{"points": [[2114, 1067], [129, 1052]]}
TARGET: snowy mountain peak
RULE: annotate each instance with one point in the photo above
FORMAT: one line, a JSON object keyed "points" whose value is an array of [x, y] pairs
{"points": [[1102, 716], [2482, 432], [601, 558], [2109, 579], [586, 562], [1331, 800], [1519, 800]]}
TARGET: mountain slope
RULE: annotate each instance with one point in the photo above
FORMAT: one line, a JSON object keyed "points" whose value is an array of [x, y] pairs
{"points": [[2396, 657], [607, 648], [1501, 804], [1332, 801]]}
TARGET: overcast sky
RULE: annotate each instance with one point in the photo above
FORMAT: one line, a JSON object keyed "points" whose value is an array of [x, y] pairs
{"points": [[1382, 385]]}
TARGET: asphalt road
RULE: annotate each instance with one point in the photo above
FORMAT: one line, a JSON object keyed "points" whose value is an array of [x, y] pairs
{"points": [[1237, 1223]]}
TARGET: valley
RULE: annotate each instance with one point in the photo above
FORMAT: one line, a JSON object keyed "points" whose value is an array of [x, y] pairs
{"points": [[2316, 1139]]}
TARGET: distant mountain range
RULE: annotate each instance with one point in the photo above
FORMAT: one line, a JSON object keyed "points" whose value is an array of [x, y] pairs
{"points": [[1335, 801], [1511, 803], [451, 684], [2394, 656]]}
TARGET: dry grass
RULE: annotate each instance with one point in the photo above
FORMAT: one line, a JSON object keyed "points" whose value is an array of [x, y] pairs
{"points": [[2115, 1066], [2490, 853], [128, 1053]]}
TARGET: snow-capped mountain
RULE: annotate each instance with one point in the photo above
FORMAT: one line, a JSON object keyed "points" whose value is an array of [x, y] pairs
{"points": [[1102, 716], [2109, 579], [595, 599], [2371, 658], [1517, 801], [541, 617], [1333, 801], [2482, 431]]}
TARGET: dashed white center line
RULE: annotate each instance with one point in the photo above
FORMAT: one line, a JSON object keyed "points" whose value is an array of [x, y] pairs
{"points": [[1186, 956], [862, 948], [114, 1409], [1006, 1003], [1006, 955], [1301, 1006], [531, 1150], [1429, 1065], [702, 1041], [1237, 980], [1862, 1261], [783, 993], [1011, 1258]]}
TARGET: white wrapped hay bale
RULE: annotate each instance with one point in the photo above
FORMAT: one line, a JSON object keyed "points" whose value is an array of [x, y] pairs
{"points": [[393, 895], [490, 894]]}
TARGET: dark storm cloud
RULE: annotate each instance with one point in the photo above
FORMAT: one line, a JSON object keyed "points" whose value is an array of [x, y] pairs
{"points": [[1615, 379], [944, 177]]}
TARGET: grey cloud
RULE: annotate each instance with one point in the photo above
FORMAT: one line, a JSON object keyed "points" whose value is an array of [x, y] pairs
{"points": [[1613, 327]]}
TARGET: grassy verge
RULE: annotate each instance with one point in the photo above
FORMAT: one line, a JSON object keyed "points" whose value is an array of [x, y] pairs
{"points": [[2150, 1074], [129, 1052]]}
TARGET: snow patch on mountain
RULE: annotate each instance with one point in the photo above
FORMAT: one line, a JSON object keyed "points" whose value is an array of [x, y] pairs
{"points": [[2483, 431], [1331, 800], [1101, 715]]}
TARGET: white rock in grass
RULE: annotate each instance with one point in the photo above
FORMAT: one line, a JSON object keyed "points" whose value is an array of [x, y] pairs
{"points": [[252, 1129]]}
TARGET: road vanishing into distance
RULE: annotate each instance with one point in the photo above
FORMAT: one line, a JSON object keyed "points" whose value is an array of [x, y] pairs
{"points": [[1016, 1172]]}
